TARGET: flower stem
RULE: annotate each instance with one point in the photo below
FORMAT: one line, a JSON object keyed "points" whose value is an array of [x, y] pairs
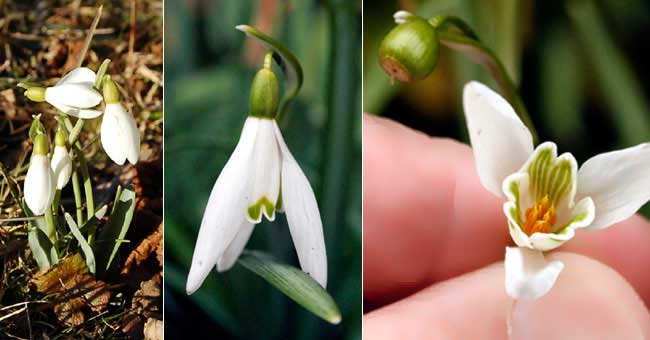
{"points": [[55, 202], [77, 197], [88, 186], [468, 43], [83, 167], [51, 226]]}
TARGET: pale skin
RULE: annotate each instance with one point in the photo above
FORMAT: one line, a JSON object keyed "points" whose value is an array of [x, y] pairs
{"points": [[433, 246]]}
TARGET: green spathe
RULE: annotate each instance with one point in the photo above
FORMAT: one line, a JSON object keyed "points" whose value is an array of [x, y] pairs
{"points": [[410, 51], [41, 145], [265, 94]]}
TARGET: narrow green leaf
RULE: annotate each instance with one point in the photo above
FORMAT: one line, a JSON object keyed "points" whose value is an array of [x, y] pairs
{"points": [[288, 63], [113, 233], [85, 247], [89, 227], [39, 243], [294, 283]]}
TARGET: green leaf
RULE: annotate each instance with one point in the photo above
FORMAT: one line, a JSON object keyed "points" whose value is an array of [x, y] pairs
{"points": [[294, 283], [113, 233], [288, 63], [39, 243], [85, 247]]}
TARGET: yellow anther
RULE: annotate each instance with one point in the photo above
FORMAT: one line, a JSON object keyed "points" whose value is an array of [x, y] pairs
{"points": [[540, 218]]}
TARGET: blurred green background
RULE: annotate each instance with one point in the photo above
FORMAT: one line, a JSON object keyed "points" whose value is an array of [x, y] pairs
{"points": [[209, 67], [581, 66]]}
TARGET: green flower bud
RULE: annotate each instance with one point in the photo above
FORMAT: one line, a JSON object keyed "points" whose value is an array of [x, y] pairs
{"points": [[36, 94], [410, 51], [265, 94], [110, 91], [41, 145], [60, 139]]}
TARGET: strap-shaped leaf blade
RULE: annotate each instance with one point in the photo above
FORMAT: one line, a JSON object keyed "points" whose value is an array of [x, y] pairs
{"points": [[294, 283], [113, 233], [85, 247], [40, 245], [287, 62]]}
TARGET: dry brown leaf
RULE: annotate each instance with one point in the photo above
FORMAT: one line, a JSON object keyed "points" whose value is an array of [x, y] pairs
{"points": [[148, 246], [145, 304], [74, 288], [153, 329], [8, 103]]}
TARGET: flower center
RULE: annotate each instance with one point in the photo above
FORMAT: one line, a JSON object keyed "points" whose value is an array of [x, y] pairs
{"points": [[540, 218]]}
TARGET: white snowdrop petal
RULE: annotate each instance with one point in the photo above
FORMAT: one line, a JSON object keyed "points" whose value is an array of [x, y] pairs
{"points": [[39, 185], [61, 166], [618, 182], [129, 132], [79, 75], [225, 210], [76, 112], [304, 220], [266, 173], [73, 94], [500, 140], [111, 136], [528, 275], [235, 248], [120, 135]]}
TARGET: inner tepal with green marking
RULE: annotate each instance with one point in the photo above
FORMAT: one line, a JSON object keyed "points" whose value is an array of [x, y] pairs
{"points": [[541, 207]]}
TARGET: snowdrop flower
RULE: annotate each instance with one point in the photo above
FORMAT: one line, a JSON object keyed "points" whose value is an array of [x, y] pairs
{"points": [[61, 161], [547, 196], [39, 181], [74, 94], [260, 178], [119, 134]]}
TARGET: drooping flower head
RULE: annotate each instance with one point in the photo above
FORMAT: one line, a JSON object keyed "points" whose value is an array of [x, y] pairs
{"points": [[547, 196], [119, 133], [261, 178], [61, 161], [74, 94], [39, 181]]}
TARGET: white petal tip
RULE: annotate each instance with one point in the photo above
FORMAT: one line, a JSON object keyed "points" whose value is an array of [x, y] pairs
{"points": [[192, 285], [527, 275]]}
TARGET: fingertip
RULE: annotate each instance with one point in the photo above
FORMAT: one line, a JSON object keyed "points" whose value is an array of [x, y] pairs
{"points": [[589, 301]]}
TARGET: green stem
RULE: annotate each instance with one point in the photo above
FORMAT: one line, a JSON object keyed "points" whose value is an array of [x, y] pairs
{"points": [[55, 202], [83, 165], [88, 186], [444, 22], [468, 43], [51, 226], [76, 188]]}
